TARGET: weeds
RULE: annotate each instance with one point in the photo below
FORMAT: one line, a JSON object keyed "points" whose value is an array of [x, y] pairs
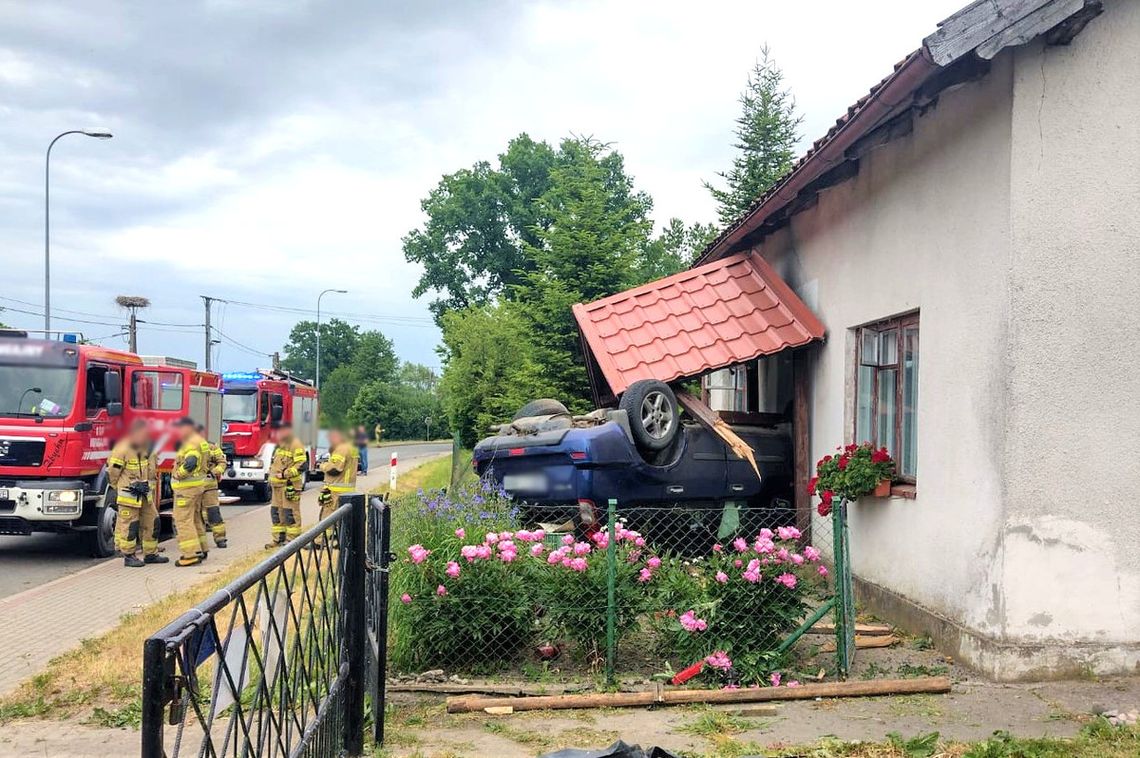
{"points": [[910, 671]]}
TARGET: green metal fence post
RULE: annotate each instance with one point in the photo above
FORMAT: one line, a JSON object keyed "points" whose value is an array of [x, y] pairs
{"points": [[611, 592], [844, 592]]}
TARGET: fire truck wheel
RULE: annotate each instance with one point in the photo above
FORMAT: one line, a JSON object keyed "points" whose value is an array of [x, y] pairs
{"points": [[101, 540], [262, 493]]}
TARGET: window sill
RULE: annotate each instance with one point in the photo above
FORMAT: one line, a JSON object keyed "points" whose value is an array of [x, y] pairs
{"points": [[909, 491]]}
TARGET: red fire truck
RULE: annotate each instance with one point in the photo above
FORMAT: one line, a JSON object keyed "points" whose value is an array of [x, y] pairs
{"points": [[254, 403], [62, 408]]}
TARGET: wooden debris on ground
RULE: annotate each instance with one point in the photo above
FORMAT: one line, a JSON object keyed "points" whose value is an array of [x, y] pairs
{"points": [[866, 629], [865, 642], [660, 696]]}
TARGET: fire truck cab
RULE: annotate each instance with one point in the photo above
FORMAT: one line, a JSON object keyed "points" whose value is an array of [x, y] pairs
{"points": [[254, 405], [63, 406]]}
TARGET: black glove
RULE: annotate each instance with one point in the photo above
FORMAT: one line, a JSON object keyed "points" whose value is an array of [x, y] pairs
{"points": [[190, 462], [139, 489]]}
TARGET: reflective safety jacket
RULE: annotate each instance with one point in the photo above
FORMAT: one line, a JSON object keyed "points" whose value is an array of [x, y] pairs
{"points": [[128, 465], [190, 464], [289, 461], [340, 468], [216, 464]]}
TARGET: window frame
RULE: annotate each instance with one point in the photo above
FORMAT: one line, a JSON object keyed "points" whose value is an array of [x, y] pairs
{"points": [[899, 324], [156, 374]]}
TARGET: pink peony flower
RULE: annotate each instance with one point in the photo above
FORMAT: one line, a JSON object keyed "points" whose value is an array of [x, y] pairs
{"points": [[601, 539], [538, 535], [452, 569], [690, 622], [522, 535], [788, 580], [764, 546], [461, 533], [441, 590], [581, 548], [418, 553], [717, 548], [644, 575], [491, 538], [739, 544], [823, 570], [483, 551], [568, 539], [578, 564], [634, 556], [470, 552], [792, 683], [506, 535], [797, 559], [719, 660], [639, 541], [537, 549], [405, 598], [554, 558], [506, 556], [775, 678], [788, 533], [653, 562], [765, 533], [751, 577], [721, 577], [506, 546], [811, 553], [738, 563], [783, 554]]}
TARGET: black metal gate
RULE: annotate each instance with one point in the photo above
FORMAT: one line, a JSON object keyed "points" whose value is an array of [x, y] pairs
{"points": [[278, 662]]}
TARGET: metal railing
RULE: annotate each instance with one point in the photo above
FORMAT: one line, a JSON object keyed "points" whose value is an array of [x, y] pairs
{"points": [[274, 664]]}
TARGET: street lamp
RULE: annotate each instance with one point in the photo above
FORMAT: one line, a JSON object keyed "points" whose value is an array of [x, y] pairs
{"points": [[47, 217], [339, 292]]}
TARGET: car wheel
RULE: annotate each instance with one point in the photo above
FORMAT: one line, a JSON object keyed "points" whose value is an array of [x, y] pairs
{"points": [[100, 541], [262, 493], [542, 407], [652, 409]]}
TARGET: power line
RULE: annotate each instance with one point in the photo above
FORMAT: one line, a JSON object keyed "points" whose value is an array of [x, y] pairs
{"points": [[362, 317], [87, 313], [68, 320], [239, 345]]}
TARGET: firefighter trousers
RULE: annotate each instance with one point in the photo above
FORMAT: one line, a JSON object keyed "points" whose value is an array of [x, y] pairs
{"points": [[135, 525], [212, 514], [329, 500], [188, 523], [285, 510]]}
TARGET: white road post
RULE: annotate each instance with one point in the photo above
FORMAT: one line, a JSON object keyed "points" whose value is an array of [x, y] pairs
{"points": [[392, 473]]}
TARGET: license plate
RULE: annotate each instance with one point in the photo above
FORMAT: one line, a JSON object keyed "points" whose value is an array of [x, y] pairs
{"points": [[524, 482], [4, 495]]}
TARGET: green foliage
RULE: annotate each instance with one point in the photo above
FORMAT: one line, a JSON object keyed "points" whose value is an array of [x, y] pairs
{"points": [[767, 131], [920, 746], [407, 407], [853, 472], [747, 616], [350, 360], [490, 369], [338, 344]]}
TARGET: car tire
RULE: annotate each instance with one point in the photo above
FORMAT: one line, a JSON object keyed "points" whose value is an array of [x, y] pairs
{"points": [[545, 406], [100, 541], [653, 417]]}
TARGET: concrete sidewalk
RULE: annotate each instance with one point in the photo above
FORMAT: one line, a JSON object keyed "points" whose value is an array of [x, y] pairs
{"points": [[41, 623]]}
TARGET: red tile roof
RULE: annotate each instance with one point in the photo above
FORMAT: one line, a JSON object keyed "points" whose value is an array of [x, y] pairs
{"points": [[725, 312]]}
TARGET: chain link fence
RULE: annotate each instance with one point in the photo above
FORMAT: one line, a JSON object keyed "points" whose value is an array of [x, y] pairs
{"points": [[722, 595]]}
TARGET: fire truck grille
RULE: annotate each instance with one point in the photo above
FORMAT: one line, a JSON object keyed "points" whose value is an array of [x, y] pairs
{"points": [[17, 452]]}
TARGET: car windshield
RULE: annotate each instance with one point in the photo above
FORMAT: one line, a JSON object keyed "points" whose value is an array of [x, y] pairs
{"points": [[239, 406], [37, 390]]}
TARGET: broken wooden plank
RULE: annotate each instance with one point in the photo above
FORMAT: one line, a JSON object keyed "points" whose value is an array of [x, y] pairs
{"points": [[870, 688], [864, 642], [707, 416], [452, 688], [867, 629]]}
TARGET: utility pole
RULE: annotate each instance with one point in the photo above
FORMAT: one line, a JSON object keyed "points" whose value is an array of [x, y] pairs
{"points": [[209, 342], [132, 304], [276, 360]]}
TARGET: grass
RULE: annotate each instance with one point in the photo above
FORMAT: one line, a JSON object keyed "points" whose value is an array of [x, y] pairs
{"points": [[435, 474]]}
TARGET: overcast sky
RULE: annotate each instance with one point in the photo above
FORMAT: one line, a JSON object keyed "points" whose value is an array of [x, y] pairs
{"points": [[266, 150]]}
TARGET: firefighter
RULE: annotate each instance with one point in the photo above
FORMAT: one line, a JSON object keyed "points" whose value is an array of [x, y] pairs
{"points": [[211, 507], [131, 471], [340, 473], [188, 481], [286, 482]]}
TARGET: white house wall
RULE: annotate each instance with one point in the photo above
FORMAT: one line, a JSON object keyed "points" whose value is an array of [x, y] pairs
{"points": [[1072, 460], [1009, 219]]}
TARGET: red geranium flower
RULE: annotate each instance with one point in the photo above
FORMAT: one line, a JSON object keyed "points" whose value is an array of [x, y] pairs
{"points": [[823, 508], [827, 496], [880, 456], [843, 461], [811, 485]]}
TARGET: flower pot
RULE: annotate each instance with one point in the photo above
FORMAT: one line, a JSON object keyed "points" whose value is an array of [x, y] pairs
{"points": [[882, 489]]}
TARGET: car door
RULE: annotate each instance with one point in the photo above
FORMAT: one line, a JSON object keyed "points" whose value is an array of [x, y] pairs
{"points": [[697, 474]]}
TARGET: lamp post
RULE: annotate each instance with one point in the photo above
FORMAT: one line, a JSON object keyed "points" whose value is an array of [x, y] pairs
{"points": [[47, 216], [325, 292]]}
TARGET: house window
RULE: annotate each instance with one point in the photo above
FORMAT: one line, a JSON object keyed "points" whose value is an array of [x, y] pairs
{"points": [[886, 390]]}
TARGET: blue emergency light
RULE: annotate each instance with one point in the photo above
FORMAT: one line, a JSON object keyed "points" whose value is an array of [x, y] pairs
{"points": [[242, 376], [71, 337]]}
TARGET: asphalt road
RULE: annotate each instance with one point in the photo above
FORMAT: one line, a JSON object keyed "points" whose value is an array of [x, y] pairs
{"points": [[27, 562]]}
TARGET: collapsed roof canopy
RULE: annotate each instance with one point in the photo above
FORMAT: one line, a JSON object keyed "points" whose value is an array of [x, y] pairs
{"points": [[722, 313]]}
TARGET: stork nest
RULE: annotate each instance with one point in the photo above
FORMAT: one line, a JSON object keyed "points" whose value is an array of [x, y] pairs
{"points": [[132, 301]]}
